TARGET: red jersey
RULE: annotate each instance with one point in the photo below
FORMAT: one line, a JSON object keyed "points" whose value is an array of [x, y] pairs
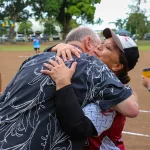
{"points": [[111, 138]]}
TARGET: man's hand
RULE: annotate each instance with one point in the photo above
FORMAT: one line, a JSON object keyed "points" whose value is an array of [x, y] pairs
{"points": [[66, 51], [58, 71]]}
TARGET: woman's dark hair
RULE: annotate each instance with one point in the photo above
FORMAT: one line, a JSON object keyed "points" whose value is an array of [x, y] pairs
{"points": [[123, 73]]}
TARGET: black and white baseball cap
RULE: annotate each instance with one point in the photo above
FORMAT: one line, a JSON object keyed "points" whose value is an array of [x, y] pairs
{"points": [[126, 45]]}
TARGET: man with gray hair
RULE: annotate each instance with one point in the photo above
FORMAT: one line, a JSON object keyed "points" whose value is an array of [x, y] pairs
{"points": [[27, 106], [82, 38], [78, 34]]}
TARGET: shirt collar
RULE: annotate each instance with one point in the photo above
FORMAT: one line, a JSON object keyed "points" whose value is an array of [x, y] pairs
{"points": [[77, 47]]}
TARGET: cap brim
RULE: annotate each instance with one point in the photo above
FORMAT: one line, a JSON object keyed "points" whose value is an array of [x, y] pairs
{"points": [[108, 33]]}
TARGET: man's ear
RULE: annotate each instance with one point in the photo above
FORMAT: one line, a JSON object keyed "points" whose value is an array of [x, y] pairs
{"points": [[88, 44], [116, 67]]}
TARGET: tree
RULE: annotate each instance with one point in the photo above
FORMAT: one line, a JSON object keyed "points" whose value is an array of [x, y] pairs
{"points": [[120, 23], [64, 10], [138, 24], [15, 10], [99, 21], [1, 9], [84, 9], [135, 7], [25, 27], [73, 24], [49, 28], [137, 21]]}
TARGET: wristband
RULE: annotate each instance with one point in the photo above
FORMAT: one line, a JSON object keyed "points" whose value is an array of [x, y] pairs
{"points": [[148, 88]]}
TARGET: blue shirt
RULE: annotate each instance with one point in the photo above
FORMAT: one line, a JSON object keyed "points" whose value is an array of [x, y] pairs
{"points": [[36, 43], [27, 106]]}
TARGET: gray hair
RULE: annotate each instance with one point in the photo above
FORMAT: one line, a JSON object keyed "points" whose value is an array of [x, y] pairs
{"points": [[79, 33]]}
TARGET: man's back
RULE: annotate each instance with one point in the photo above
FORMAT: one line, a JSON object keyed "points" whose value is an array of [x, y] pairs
{"points": [[27, 107]]}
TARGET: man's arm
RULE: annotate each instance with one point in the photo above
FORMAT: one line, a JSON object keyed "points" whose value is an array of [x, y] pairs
{"points": [[129, 107], [122, 99]]}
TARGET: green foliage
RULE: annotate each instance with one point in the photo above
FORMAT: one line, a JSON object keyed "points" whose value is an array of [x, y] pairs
{"points": [[15, 9], [49, 28], [49, 25], [73, 24], [64, 10], [120, 23], [46, 7], [138, 24], [1, 12], [99, 21], [25, 27], [84, 9]]}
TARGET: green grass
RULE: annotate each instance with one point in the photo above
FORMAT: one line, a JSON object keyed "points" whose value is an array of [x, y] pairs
{"points": [[24, 46], [19, 47], [143, 46]]}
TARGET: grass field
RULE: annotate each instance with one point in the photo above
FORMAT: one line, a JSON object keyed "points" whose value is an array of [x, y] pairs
{"points": [[24, 46], [143, 45], [28, 46]]}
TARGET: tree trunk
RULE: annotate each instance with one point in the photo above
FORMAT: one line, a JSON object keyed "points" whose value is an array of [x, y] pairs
{"points": [[12, 30], [66, 26], [64, 19], [11, 34]]}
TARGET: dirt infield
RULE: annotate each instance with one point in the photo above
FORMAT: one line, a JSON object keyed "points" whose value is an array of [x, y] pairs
{"points": [[136, 132]]}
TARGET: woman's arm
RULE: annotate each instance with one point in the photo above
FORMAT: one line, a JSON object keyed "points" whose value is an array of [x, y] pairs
{"points": [[70, 114], [64, 50], [68, 109]]}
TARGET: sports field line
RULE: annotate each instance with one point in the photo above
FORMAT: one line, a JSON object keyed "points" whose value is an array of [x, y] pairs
{"points": [[145, 111], [137, 134], [23, 56]]}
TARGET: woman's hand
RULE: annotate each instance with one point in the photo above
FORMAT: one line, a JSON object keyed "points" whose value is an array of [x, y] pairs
{"points": [[66, 51], [145, 81], [58, 71]]}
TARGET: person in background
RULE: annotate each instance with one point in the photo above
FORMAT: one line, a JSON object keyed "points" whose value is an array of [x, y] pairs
{"points": [[36, 44], [117, 53], [146, 82]]}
